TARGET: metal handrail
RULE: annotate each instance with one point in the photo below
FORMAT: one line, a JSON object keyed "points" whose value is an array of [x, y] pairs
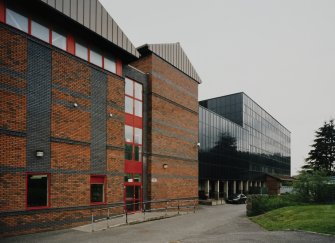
{"points": [[125, 212]]}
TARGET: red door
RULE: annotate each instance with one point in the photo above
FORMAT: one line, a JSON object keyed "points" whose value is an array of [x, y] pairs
{"points": [[133, 197]]}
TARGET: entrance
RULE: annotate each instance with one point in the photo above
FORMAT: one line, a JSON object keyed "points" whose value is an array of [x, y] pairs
{"points": [[133, 197]]}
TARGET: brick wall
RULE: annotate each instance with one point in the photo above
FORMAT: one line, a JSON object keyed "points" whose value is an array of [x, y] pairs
{"points": [[273, 185], [70, 138], [173, 136]]}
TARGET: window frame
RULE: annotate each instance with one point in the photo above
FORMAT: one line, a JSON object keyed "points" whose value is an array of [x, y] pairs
{"points": [[134, 117], [48, 191], [104, 189]]}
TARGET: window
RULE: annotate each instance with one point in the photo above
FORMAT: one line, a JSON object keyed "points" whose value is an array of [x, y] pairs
{"points": [[98, 189], [129, 105], [39, 31], [129, 87], [138, 136], [128, 133], [37, 190], [95, 58], [138, 108], [81, 52], [128, 151], [138, 153], [16, 20], [138, 91], [133, 127], [58, 40], [109, 64]]}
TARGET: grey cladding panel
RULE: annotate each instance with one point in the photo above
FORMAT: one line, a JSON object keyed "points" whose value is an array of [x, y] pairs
{"points": [[67, 8], [80, 12], [110, 26], [74, 9], [52, 2], [94, 16], [104, 24], [87, 6], [98, 18], [174, 54], [59, 5]]}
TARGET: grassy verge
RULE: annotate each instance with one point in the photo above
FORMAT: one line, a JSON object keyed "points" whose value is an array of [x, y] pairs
{"points": [[316, 218]]}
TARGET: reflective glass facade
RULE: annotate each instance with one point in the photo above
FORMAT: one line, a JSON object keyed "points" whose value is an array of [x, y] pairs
{"points": [[240, 140]]}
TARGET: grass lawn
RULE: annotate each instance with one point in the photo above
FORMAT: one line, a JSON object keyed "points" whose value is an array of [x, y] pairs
{"points": [[316, 218]]}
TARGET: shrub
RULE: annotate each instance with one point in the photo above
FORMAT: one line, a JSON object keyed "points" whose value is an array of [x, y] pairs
{"points": [[314, 186], [259, 204]]}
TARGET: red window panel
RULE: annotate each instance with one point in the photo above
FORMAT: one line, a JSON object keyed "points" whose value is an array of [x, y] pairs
{"points": [[98, 179], [138, 122], [118, 67], [133, 167], [98, 189], [29, 25], [2, 11], [70, 44], [129, 120]]}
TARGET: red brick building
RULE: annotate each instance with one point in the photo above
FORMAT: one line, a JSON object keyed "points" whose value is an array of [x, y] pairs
{"points": [[86, 119]]}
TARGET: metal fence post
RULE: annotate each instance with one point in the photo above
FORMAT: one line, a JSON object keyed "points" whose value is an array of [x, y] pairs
{"points": [[144, 211], [126, 216], [194, 207], [107, 217], [178, 207], [166, 207], [92, 222]]}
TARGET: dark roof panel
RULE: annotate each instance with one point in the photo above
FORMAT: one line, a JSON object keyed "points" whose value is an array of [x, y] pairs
{"points": [[173, 54], [94, 16]]}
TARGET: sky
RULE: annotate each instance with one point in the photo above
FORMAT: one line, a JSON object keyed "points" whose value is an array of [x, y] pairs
{"points": [[279, 52]]}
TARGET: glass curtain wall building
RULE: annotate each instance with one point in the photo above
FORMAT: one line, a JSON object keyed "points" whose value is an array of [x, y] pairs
{"points": [[239, 142]]}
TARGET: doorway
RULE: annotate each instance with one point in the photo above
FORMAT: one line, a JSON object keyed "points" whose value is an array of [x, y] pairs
{"points": [[133, 197]]}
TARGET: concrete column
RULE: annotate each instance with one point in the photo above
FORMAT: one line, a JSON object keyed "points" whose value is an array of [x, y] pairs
{"points": [[234, 187], [246, 186], [207, 188], [217, 189], [241, 187], [226, 189]]}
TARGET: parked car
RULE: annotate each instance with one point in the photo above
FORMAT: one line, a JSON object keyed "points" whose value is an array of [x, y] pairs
{"points": [[237, 198]]}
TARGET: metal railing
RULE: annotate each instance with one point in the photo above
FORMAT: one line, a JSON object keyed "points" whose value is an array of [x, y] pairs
{"points": [[165, 206]]}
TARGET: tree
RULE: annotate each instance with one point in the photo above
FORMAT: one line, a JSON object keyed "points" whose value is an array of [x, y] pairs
{"points": [[322, 155], [314, 186]]}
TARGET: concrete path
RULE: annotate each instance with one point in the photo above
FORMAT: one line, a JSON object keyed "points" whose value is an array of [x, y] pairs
{"points": [[224, 223]]}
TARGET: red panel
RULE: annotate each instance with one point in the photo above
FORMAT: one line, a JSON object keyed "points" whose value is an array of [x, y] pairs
{"points": [[129, 120], [70, 46], [2, 11], [133, 167], [137, 122], [29, 25], [118, 67], [98, 179]]}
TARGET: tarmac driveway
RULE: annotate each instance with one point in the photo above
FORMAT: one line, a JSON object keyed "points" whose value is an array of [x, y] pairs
{"points": [[224, 223]]}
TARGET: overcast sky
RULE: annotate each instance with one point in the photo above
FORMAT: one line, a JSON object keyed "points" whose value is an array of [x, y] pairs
{"points": [[279, 52]]}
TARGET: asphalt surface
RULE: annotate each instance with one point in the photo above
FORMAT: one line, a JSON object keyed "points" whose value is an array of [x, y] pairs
{"points": [[224, 223]]}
